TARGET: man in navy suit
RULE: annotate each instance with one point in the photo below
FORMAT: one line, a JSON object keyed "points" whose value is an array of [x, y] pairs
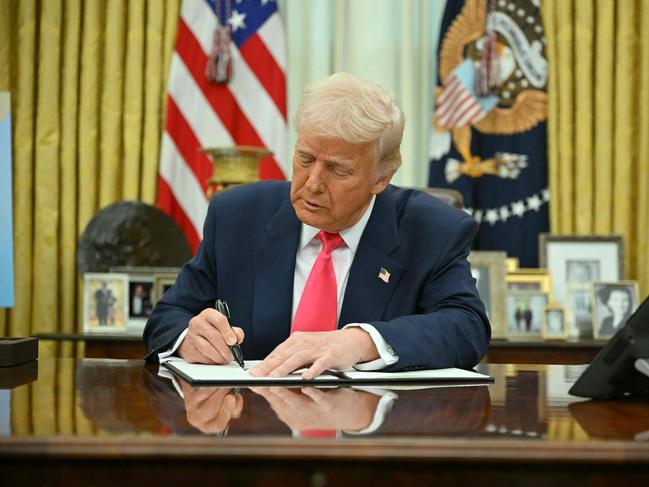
{"points": [[404, 297]]}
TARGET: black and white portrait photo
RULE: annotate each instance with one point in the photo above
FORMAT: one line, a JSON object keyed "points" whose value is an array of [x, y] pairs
{"points": [[582, 271], [615, 302]]}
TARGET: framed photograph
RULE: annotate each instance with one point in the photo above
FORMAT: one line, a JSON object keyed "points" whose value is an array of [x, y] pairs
{"points": [[141, 294], [489, 270], [531, 280], [162, 282], [512, 264], [579, 310], [105, 302], [613, 302], [555, 326], [525, 310], [140, 301], [574, 262]]}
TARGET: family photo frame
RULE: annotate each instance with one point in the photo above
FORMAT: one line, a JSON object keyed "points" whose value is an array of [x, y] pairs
{"points": [[614, 303], [525, 312], [555, 326], [162, 282], [105, 303], [489, 268], [575, 262], [529, 279], [121, 301]]}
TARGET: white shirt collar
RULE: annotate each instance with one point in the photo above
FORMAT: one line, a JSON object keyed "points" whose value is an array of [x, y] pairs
{"points": [[351, 236]]}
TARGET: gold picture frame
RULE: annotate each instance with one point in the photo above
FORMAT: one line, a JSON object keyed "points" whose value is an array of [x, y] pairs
{"points": [[525, 311], [489, 268], [105, 303], [555, 323], [161, 283], [530, 279], [512, 264]]}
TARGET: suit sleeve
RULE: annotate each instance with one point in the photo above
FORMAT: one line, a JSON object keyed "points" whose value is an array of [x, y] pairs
{"points": [[451, 328], [195, 290]]}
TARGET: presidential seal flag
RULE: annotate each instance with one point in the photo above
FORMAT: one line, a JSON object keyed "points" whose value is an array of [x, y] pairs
{"points": [[489, 127], [226, 87]]}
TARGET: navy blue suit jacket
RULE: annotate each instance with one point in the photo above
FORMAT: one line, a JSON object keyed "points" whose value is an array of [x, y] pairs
{"points": [[429, 311]]}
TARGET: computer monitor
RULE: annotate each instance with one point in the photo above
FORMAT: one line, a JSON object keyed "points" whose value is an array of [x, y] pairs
{"points": [[622, 366]]}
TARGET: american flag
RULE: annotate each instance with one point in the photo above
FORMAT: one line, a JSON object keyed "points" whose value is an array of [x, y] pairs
{"points": [[458, 104], [249, 110]]}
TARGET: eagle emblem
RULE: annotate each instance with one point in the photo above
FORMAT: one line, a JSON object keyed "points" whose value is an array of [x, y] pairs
{"points": [[507, 41]]}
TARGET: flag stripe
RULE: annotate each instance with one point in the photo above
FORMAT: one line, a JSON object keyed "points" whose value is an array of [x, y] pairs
{"points": [[223, 105], [167, 203], [192, 103], [449, 88], [462, 109], [272, 34], [448, 115], [183, 184], [218, 97], [249, 110], [253, 100], [261, 62], [188, 145]]}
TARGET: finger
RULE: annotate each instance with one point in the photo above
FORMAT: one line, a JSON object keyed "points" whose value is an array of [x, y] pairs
{"points": [[212, 353], [239, 333], [210, 333], [220, 322], [291, 364], [260, 391], [318, 367], [238, 408], [267, 365], [316, 395], [224, 415], [191, 353]]}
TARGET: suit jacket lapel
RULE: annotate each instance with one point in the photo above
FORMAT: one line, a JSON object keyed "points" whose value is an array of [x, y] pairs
{"points": [[274, 269], [367, 296]]}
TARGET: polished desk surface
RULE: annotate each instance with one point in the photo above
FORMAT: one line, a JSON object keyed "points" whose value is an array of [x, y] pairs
{"points": [[88, 413], [568, 352]]}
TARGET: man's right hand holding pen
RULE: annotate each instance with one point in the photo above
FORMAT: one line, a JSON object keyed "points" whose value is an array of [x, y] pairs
{"points": [[209, 337]]}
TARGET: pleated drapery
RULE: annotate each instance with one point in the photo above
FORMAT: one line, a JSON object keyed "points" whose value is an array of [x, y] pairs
{"points": [[598, 124], [87, 85]]}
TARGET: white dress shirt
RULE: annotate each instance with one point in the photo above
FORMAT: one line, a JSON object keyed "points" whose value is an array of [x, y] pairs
{"points": [[342, 259]]}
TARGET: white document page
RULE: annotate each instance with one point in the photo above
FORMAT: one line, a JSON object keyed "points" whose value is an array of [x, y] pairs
{"points": [[233, 373]]}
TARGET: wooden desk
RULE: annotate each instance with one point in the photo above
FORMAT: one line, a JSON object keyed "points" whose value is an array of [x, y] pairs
{"points": [[111, 422], [500, 352], [103, 346], [569, 352]]}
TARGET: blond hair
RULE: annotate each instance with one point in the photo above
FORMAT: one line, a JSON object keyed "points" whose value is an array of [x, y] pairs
{"points": [[346, 107]]}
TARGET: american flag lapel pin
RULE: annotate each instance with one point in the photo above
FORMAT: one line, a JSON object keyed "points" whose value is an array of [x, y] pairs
{"points": [[384, 275]]}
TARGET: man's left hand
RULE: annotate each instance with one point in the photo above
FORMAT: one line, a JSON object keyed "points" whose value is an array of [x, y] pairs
{"points": [[319, 351]]}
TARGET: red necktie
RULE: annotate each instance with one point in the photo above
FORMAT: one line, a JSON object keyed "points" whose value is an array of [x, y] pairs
{"points": [[318, 307]]}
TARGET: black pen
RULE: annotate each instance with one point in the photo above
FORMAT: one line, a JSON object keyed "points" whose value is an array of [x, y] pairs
{"points": [[222, 307]]}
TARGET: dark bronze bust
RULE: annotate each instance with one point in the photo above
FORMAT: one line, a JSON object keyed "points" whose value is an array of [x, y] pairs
{"points": [[131, 233]]}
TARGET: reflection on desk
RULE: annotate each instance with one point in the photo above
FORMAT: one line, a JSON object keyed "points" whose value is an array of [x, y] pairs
{"points": [[82, 419], [319, 411]]}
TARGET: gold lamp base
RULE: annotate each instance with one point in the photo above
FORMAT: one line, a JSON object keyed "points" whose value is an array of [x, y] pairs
{"points": [[233, 166]]}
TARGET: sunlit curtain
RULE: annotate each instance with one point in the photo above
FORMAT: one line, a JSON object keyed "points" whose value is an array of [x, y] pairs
{"points": [[599, 122], [87, 85], [392, 43]]}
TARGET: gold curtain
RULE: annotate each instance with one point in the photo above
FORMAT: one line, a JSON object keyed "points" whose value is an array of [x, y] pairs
{"points": [[598, 124], [87, 81]]}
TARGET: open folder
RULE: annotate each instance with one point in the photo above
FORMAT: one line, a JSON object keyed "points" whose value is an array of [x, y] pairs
{"points": [[233, 374]]}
